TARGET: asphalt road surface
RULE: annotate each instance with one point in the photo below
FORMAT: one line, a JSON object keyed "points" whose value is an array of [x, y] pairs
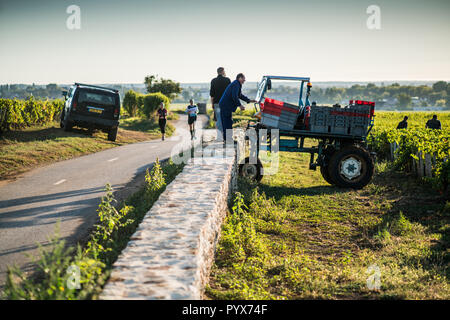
{"points": [[70, 192]]}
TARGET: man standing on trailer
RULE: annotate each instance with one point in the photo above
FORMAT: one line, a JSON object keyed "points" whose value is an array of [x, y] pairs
{"points": [[230, 101], [218, 86]]}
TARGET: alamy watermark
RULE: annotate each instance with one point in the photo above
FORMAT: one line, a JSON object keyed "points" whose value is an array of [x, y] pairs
{"points": [[74, 280], [373, 281], [374, 20], [73, 21]]}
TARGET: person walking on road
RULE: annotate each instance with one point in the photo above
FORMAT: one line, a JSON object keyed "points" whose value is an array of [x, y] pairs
{"points": [[162, 114], [218, 86], [192, 111], [230, 101], [433, 123], [403, 124]]}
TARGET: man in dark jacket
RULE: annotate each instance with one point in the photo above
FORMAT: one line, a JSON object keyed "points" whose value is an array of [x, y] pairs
{"points": [[403, 124], [433, 123], [230, 102], [218, 86]]}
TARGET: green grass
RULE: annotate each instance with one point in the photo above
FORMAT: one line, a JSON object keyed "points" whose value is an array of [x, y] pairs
{"points": [[23, 150], [300, 238]]}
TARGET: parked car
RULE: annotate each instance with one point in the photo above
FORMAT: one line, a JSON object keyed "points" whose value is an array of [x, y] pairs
{"points": [[91, 107]]}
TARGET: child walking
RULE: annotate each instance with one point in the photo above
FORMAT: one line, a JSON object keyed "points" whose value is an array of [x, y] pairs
{"points": [[192, 111], [162, 113]]}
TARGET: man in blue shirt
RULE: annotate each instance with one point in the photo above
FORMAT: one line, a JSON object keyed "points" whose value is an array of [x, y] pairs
{"points": [[230, 102]]}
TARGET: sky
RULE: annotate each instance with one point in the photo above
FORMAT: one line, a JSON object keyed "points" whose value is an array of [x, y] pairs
{"points": [[186, 40]]}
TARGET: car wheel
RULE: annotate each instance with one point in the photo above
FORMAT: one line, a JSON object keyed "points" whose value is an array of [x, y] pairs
{"points": [[61, 121], [112, 134], [351, 167], [68, 125]]}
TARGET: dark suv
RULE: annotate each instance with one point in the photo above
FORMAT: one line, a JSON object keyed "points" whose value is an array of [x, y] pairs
{"points": [[91, 107]]}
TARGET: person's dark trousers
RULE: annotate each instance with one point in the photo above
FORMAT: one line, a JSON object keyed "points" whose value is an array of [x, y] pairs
{"points": [[227, 123], [162, 125]]}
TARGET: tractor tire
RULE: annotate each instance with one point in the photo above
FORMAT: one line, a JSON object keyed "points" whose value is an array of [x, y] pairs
{"points": [[327, 154], [251, 171], [112, 134], [326, 174], [351, 167]]}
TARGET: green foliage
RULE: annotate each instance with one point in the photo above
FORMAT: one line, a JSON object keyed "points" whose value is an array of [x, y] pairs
{"points": [[239, 240], [152, 101], [414, 141], [144, 104], [52, 268], [165, 86], [95, 259], [18, 114], [130, 103], [155, 179]]}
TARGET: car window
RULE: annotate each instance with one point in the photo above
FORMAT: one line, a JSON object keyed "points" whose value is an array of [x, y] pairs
{"points": [[96, 97]]}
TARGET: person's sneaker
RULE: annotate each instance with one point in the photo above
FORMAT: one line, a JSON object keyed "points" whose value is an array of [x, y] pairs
{"points": [[162, 138]]}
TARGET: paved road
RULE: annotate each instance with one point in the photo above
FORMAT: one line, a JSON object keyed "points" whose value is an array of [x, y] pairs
{"points": [[69, 191]]}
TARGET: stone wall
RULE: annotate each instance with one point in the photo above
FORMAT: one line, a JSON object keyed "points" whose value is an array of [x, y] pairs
{"points": [[171, 253]]}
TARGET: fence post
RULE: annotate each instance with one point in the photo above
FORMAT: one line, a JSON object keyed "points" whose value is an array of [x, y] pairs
{"points": [[428, 166], [420, 165], [393, 146]]}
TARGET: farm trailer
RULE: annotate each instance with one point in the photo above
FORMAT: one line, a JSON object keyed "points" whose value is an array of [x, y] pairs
{"points": [[341, 152]]}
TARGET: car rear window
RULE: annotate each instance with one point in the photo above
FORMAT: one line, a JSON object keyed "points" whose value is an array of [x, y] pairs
{"points": [[97, 97]]}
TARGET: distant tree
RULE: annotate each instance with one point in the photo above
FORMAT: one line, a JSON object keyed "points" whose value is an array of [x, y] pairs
{"points": [[440, 103], [440, 86], [166, 86], [435, 96], [130, 102], [404, 101]]}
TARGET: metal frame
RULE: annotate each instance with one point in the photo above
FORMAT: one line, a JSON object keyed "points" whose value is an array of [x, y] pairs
{"points": [[302, 79]]}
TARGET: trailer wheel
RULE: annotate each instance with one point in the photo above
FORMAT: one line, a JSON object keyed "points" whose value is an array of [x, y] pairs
{"points": [[327, 153], [326, 174], [251, 171], [351, 167]]}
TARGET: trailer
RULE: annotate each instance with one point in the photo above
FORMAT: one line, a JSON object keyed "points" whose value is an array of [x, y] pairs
{"points": [[339, 133]]}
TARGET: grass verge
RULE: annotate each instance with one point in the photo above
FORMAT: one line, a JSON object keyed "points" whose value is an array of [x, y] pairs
{"points": [[60, 268], [23, 150], [293, 236]]}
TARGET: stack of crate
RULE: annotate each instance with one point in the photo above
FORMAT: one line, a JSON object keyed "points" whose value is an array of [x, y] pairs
{"points": [[278, 114], [352, 120], [363, 112], [320, 116]]}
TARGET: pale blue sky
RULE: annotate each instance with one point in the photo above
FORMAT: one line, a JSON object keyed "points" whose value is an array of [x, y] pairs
{"points": [[122, 41]]}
